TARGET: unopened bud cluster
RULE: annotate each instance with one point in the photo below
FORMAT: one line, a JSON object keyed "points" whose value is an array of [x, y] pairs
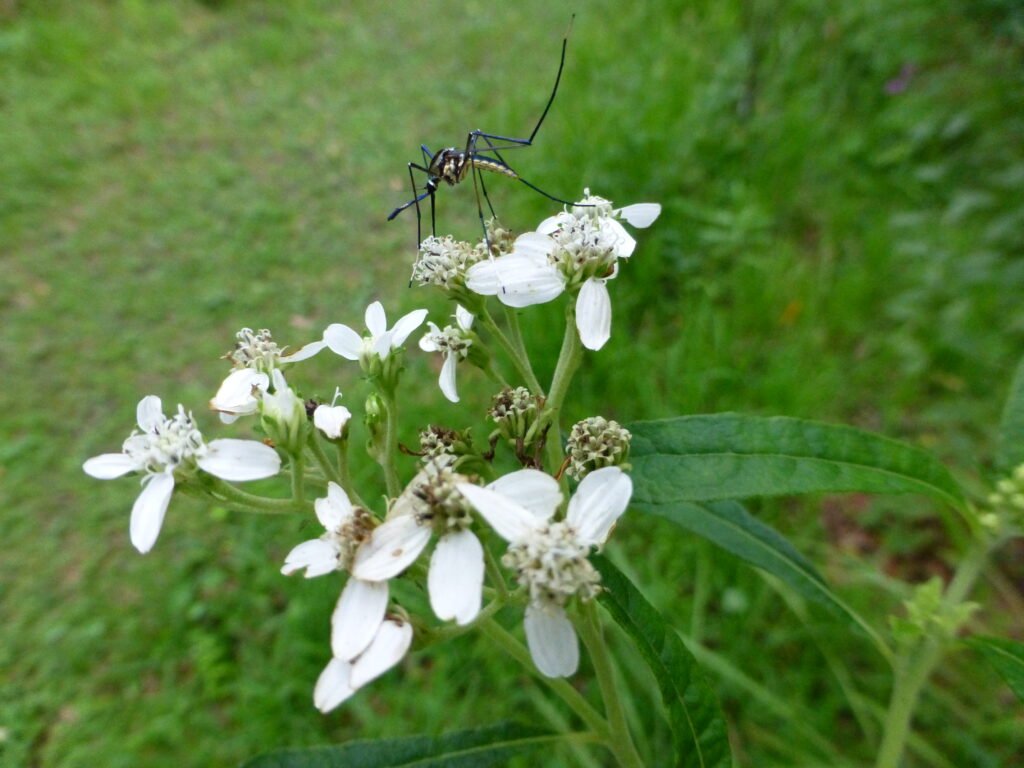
{"points": [[444, 506], [438, 441], [514, 411], [595, 443], [501, 239], [1007, 501], [553, 565], [256, 350], [443, 261]]}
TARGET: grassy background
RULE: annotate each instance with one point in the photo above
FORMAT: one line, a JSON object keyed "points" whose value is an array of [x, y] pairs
{"points": [[842, 240]]}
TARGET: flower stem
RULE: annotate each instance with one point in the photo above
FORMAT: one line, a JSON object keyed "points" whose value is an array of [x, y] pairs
{"points": [[568, 362], [619, 741], [298, 478], [317, 450], [559, 686], [518, 354], [389, 464], [250, 502], [915, 665], [494, 571]]}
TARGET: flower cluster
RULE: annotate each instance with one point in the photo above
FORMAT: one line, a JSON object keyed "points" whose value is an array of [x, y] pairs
{"points": [[459, 503]]}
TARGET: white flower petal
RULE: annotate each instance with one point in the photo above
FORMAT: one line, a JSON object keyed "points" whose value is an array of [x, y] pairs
{"points": [[393, 546], [376, 320], [406, 325], [148, 511], [594, 314], [382, 345], [532, 489], [600, 500], [427, 343], [511, 521], [536, 246], [331, 419], [304, 353], [523, 283], [640, 215], [447, 379], [332, 687], [343, 341], [240, 460], [615, 235], [554, 223], [149, 413], [463, 317], [551, 638], [235, 396], [456, 577], [317, 556], [357, 617], [334, 509], [107, 466], [387, 649]]}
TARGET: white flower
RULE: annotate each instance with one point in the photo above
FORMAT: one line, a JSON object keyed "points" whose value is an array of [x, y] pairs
{"points": [[332, 419], [340, 678], [550, 557], [577, 247], [162, 447], [361, 606], [454, 343], [381, 340], [456, 574]]}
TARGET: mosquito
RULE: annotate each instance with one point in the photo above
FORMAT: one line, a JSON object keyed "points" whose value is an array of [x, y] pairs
{"points": [[481, 153]]}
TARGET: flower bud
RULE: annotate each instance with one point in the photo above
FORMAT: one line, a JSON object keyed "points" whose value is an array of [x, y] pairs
{"points": [[284, 416], [515, 411], [594, 443], [376, 418]]}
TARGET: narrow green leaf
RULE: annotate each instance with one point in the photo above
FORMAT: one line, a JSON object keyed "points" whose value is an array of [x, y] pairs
{"points": [[698, 725], [492, 745], [1010, 450], [731, 527], [731, 456], [1006, 657]]}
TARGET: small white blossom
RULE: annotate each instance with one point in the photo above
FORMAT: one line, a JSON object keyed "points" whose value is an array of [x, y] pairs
{"points": [[165, 447], [454, 343], [362, 604], [577, 247], [550, 556], [239, 394], [430, 503], [332, 419], [341, 678], [379, 343]]}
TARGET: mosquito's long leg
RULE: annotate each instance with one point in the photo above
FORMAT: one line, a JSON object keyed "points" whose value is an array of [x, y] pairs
{"points": [[427, 154], [487, 199], [433, 217]]}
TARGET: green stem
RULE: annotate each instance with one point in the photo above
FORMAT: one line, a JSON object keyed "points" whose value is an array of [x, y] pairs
{"points": [[914, 666], [494, 571], [389, 464], [516, 339], [568, 362], [559, 686], [298, 484], [327, 467], [250, 502], [620, 741], [519, 358]]}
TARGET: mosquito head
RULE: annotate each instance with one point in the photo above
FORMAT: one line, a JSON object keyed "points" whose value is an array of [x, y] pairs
{"points": [[449, 164]]}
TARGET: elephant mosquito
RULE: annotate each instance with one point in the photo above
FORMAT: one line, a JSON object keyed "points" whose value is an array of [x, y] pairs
{"points": [[453, 165]]}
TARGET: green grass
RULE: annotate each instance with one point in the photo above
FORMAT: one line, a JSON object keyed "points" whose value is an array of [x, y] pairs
{"points": [[170, 172]]}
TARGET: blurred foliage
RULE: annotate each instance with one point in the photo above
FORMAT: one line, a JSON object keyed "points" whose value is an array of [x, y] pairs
{"points": [[842, 240]]}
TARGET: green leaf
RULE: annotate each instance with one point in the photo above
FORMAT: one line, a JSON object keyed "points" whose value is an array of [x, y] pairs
{"points": [[698, 725], [1006, 657], [731, 527], [1010, 452], [730, 456], [477, 748]]}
